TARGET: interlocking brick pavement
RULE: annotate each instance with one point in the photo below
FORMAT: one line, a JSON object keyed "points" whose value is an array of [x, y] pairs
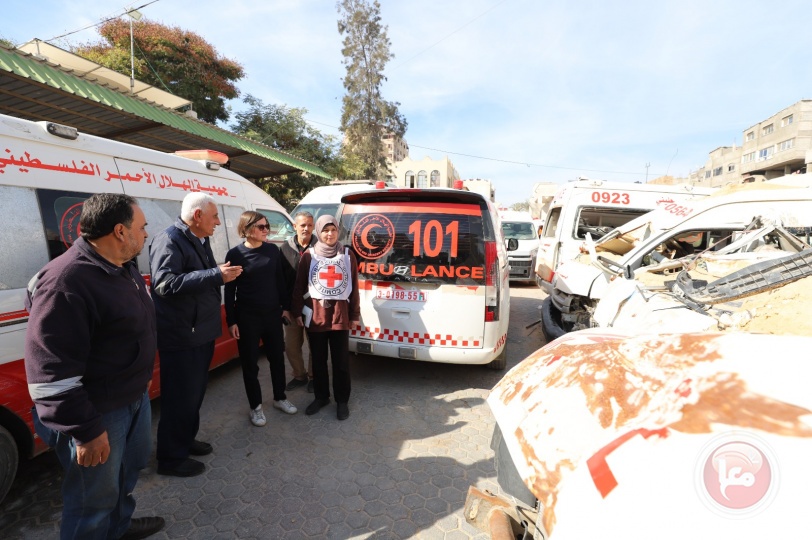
{"points": [[399, 467]]}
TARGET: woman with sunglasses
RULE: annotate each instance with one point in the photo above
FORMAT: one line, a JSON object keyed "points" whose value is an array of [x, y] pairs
{"points": [[255, 306]]}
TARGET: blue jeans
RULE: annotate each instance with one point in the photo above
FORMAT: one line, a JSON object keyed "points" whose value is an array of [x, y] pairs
{"points": [[98, 501]]}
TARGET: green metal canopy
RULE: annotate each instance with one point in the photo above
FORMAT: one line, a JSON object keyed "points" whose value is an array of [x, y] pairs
{"points": [[35, 89]]}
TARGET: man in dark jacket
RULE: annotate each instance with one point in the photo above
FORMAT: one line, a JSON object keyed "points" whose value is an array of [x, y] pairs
{"points": [[186, 285], [89, 353], [292, 251]]}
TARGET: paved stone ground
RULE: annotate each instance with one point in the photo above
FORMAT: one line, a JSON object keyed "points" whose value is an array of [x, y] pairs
{"points": [[399, 467]]}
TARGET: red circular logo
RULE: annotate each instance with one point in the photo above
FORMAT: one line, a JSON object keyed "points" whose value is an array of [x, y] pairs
{"points": [[373, 236], [69, 229]]}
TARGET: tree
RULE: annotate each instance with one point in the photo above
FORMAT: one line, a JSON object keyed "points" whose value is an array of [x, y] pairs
{"points": [[168, 57], [286, 130], [365, 115], [521, 206]]}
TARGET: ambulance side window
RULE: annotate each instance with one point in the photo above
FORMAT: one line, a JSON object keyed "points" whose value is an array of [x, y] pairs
{"points": [[60, 211], [552, 223], [160, 214], [23, 249]]}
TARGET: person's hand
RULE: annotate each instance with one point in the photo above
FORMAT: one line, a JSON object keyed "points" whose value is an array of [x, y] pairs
{"points": [[234, 330], [286, 316], [356, 322], [230, 273], [299, 321], [94, 452]]}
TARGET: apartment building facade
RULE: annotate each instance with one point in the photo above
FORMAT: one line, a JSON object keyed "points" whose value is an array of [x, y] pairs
{"points": [[777, 146]]}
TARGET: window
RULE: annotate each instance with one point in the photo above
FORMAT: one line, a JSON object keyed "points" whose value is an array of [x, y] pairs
{"points": [[765, 153], [767, 129], [731, 167], [409, 178], [717, 171], [435, 178], [421, 179], [19, 206], [750, 136], [747, 158], [787, 120], [785, 145], [707, 174]]}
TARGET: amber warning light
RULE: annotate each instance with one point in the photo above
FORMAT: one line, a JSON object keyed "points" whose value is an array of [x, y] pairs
{"points": [[207, 155]]}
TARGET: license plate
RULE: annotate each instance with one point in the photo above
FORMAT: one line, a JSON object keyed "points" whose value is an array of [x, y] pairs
{"points": [[397, 294]]}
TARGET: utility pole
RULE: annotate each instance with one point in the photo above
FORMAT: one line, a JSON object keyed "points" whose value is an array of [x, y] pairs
{"points": [[647, 166]]}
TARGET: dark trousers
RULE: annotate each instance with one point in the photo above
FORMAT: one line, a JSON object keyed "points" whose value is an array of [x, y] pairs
{"points": [[267, 326], [338, 342], [184, 376]]}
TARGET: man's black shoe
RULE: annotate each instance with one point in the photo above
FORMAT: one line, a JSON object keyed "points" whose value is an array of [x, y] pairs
{"points": [[143, 527], [342, 411], [316, 406], [295, 383], [310, 386], [187, 467], [200, 448]]}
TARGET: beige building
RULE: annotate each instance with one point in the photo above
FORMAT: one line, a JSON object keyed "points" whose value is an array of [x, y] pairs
{"points": [[395, 148], [779, 145], [426, 172]]}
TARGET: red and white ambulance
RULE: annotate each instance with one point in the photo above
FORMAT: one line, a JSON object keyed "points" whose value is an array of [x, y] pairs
{"points": [[597, 207], [47, 171], [433, 275]]}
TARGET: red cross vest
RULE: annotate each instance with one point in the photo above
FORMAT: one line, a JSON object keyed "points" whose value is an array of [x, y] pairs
{"points": [[330, 278]]}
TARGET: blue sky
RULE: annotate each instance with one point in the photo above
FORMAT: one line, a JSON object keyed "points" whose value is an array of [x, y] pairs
{"points": [[516, 91]]}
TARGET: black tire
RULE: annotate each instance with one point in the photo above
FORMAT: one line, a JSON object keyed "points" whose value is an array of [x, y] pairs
{"points": [[500, 361], [551, 324], [9, 459]]}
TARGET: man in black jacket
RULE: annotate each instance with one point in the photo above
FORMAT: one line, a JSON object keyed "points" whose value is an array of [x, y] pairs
{"points": [[186, 283], [89, 354], [292, 251]]}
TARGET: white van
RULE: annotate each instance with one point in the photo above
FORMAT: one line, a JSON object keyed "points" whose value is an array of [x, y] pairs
{"points": [[652, 241], [326, 199], [433, 275], [523, 228], [597, 207], [47, 171]]}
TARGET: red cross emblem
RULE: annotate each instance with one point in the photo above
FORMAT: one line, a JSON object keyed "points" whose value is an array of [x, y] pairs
{"points": [[331, 276]]}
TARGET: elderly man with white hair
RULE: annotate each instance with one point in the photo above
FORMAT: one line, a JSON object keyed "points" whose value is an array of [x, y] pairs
{"points": [[186, 283]]}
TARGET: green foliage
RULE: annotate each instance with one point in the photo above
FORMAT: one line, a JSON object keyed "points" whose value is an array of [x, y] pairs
{"points": [[521, 207], [365, 115], [285, 129], [6, 43], [183, 62]]}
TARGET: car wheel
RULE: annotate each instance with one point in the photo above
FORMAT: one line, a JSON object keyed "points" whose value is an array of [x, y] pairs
{"points": [[500, 361], [551, 324], [9, 459]]}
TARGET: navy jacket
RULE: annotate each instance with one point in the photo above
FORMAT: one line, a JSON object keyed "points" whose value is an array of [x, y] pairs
{"points": [[261, 286], [90, 342], [185, 288]]}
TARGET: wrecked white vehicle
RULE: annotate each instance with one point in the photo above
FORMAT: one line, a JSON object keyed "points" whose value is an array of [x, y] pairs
{"points": [[602, 434], [664, 242], [760, 291]]}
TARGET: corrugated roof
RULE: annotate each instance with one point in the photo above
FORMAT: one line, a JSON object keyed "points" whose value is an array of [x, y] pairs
{"points": [[36, 89]]}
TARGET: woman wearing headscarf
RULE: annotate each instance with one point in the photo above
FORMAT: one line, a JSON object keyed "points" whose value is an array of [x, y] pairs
{"points": [[326, 292]]}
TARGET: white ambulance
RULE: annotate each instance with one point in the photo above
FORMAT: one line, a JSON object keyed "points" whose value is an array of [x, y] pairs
{"points": [[597, 207], [326, 199], [47, 171], [433, 275]]}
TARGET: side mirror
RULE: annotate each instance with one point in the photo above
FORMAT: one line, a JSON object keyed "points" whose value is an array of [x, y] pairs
{"points": [[512, 244]]}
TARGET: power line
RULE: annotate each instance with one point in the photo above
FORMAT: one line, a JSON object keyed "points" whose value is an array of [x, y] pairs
{"points": [[109, 18], [449, 35]]}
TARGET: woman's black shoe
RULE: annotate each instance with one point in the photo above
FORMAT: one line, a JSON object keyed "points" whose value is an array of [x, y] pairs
{"points": [[342, 411], [187, 467]]}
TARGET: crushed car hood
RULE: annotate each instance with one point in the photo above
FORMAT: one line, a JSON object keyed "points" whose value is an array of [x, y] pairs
{"points": [[662, 436]]}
